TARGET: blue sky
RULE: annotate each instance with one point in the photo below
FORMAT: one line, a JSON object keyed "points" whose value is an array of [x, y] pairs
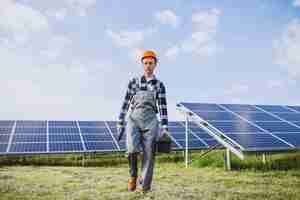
{"points": [[72, 59]]}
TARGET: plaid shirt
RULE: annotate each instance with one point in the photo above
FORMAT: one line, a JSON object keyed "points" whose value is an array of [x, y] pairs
{"points": [[143, 84]]}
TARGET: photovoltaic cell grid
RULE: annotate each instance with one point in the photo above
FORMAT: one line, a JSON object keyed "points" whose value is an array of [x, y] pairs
{"points": [[253, 127], [34, 137], [97, 136], [64, 136], [197, 137], [29, 136], [5, 133]]}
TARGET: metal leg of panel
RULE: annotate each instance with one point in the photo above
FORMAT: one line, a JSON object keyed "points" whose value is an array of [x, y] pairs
{"points": [[83, 160], [264, 160], [186, 142], [227, 160]]}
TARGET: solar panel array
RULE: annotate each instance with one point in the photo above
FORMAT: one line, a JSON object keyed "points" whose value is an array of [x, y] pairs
{"points": [[38, 137], [253, 127]]}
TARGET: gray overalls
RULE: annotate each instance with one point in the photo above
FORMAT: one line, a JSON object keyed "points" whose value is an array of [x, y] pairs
{"points": [[142, 130]]}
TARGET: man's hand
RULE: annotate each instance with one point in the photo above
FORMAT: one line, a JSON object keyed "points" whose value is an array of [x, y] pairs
{"points": [[165, 136], [120, 130], [165, 131]]}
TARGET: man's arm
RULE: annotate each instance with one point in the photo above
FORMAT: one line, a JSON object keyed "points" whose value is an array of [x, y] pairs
{"points": [[162, 106], [125, 105]]}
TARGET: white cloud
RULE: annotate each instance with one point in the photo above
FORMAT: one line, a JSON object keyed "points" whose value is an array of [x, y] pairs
{"points": [[201, 42], [273, 84], [167, 17], [235, 93], [135, 54], [59, 14], [81, 6], [287, 48], [126, 38], [172, 52], [132, 40], [71, 90], [55, 47], [61, 9], [237, 89], [206, 20], [297, 3], [19, 22]]}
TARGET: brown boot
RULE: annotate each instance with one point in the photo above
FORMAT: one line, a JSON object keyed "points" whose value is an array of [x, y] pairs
{"points": [[142, 191], [131, 184]]}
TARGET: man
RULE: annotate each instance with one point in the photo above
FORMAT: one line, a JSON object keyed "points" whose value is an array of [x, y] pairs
{"points": [[147, 96]]}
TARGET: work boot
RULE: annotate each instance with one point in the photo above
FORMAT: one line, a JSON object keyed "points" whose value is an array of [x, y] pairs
{"points": [[142, 190], [131, 184]]}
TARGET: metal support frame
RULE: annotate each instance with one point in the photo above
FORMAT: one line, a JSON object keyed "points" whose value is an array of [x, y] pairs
{"points": [[209, 150], [264, 160], [47, 136], [227, 160], [112, 135], [83, 160], [186, 141], [80, 134], [214, 132], [13, 130]]}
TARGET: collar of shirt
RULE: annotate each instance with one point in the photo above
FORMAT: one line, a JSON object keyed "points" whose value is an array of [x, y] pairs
{"points": [[150, 79]]}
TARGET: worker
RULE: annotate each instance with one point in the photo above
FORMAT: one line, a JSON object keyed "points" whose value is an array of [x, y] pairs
{"points": [[145, 96]]}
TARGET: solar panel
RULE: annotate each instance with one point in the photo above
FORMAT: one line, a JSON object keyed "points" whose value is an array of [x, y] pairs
{"points": [[97, 137], [197, 137], [28, 147], [292, 117], [6, 123], [295, 108], [63, 130], [288, 128], [4, 138], [65, 147], [28, 137], [252, 127], [112, 126], [62, 123], [35, 137], [91, 123], [31, 123], [6, 128], [3, 147], [274, 108], [30, 130], [103, 145]]}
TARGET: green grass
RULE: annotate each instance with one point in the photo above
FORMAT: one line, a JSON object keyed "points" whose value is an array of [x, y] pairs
{"points": [[106, 177]]}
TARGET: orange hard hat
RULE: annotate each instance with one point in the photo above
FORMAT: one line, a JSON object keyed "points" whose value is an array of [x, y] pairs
{"points": [[150, 54]]}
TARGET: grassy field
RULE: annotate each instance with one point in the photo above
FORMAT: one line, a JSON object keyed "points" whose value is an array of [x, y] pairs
{"points": [[106, 177]]}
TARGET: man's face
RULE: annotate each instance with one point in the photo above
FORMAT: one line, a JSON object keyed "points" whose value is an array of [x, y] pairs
{"points": [[149, 65]]}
